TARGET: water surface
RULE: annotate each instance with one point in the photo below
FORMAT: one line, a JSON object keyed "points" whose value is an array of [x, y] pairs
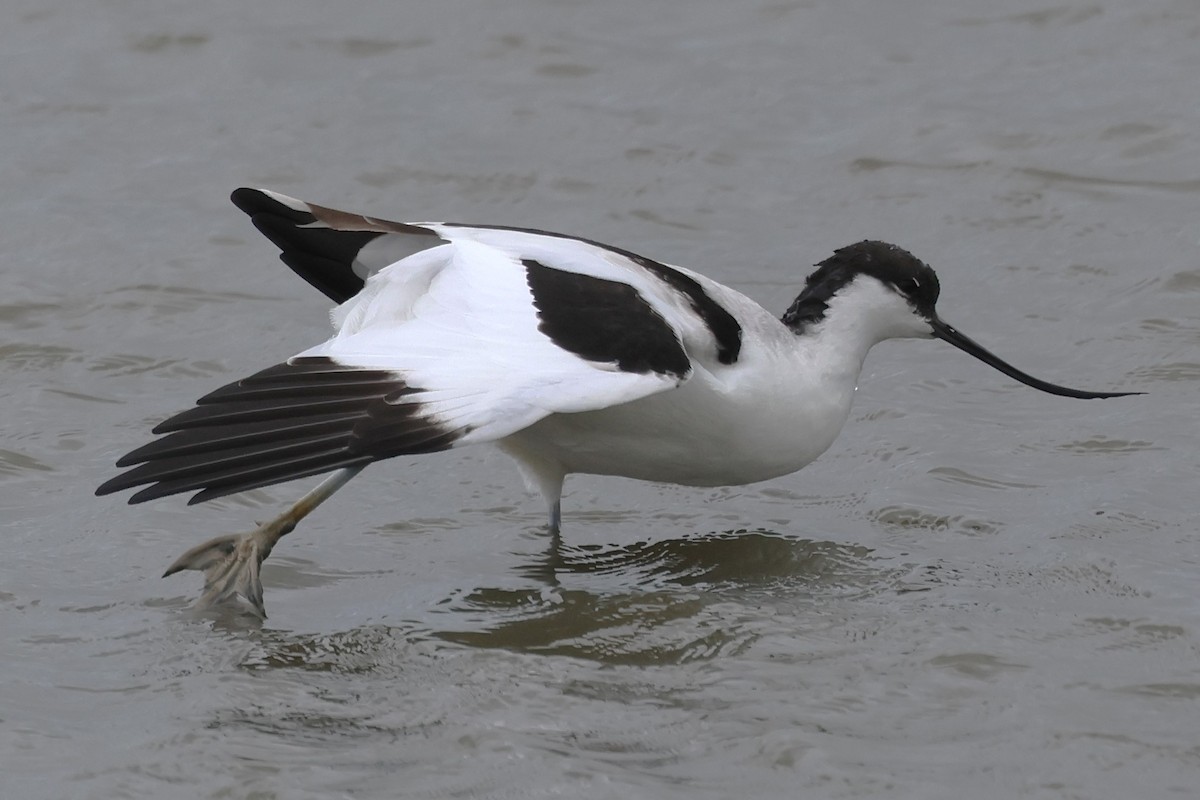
{"points": [[980, 591]]}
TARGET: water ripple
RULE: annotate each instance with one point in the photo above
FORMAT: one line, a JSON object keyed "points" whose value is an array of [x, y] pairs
{"points": [[728, 558], [663, 602], [903, 517]]}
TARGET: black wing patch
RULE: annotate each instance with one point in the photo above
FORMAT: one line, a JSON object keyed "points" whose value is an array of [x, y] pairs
{"points": [[724, 326], [321, 244], [604, 321], [322, 256], [303, 417]]}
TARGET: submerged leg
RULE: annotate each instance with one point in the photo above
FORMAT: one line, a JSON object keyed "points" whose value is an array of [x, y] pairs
{"points": [[542, 475], [231, 563], [545, 569]]}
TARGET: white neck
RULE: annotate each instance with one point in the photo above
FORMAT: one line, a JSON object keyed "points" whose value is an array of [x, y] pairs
{"points": [[862, 314]]}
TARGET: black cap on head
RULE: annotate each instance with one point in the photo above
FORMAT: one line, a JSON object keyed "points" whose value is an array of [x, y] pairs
{"points": [[894, 266]]}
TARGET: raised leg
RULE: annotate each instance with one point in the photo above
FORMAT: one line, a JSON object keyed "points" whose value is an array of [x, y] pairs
{"points": [[231, 564]]}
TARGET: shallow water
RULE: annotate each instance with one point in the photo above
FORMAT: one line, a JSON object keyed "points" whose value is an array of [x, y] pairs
{"points": [[980, 591]]}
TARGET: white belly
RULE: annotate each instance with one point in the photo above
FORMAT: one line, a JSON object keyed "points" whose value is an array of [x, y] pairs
{"points": [[700, 434]]}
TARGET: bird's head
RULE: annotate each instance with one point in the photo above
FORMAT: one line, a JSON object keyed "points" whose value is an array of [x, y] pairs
{"points": [[874, 291]]}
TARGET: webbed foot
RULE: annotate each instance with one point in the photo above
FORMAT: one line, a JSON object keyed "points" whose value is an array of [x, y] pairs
{"points": [[231, 565]]}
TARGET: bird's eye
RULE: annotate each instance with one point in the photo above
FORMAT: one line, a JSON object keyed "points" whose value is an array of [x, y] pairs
{"points": [[907, 286]]}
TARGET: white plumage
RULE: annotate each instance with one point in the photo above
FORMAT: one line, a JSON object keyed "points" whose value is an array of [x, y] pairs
{"points": [[570, 355]]}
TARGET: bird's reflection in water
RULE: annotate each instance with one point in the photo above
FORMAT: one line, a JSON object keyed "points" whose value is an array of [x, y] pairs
{"points": [[664, 601], [735, 558], [651, 602]]}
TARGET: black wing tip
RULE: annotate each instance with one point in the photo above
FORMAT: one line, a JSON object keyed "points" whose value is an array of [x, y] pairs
{"points": [[120, 484], [255, 202], [246, 198], [329, 277], [320, 255], [297, 419]]}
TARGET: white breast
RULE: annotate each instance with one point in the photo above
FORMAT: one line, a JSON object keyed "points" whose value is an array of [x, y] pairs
{"points": [[770, 414]]}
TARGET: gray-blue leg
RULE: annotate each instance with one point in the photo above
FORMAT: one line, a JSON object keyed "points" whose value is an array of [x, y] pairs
{"points": [[231, 563]]}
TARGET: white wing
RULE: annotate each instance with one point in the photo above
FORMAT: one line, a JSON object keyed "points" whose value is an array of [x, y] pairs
{"points": [[474, 334], [459, 323]]}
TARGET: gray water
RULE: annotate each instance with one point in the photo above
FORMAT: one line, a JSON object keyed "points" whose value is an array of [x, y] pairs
{"points": [[981, 591]]}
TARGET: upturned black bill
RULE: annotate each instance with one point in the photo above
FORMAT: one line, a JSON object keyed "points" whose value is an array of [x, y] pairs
{"points": [[948, 334]]}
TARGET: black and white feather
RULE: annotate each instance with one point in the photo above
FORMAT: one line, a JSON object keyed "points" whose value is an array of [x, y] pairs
{"points": [[570, 355], [445, 335]]}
